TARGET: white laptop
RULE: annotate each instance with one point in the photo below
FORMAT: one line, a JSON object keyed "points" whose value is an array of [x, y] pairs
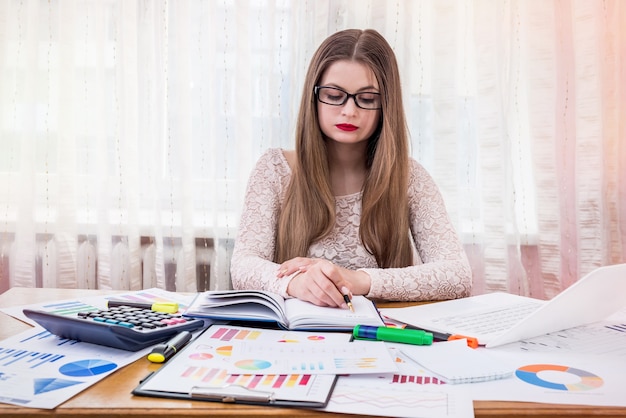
{"points": [[501, 318]]}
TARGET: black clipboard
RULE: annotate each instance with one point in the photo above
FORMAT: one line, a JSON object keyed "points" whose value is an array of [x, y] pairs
{"points": [[323, 385], [232, 394]]}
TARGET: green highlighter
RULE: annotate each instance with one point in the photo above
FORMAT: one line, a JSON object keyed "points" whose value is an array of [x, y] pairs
{"points": [[396, 335]]}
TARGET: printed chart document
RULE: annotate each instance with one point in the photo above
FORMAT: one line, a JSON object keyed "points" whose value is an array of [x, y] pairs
{"points": [[355, 357], [558, 378], [412, 391], [292, 314], [583, 365], [501, 318], [606, 338], [200, 370], [41, 370]]}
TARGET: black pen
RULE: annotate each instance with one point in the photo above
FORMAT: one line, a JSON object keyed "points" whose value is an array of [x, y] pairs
{"points": [[163, 352], [348, 302], [346, 298]]}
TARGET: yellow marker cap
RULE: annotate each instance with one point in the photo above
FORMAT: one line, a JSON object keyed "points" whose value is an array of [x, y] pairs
{"points": [[156, 357], [165, 307]]}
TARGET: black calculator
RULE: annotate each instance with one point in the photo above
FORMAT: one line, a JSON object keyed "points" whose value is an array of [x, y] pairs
{"points": [[126, 327]]}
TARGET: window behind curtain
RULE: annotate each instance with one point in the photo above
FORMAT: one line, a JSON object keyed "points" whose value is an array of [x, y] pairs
{"points": [[128, 130]]}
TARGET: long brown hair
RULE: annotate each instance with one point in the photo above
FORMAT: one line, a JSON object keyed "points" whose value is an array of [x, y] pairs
{"points": [[308, 213]]}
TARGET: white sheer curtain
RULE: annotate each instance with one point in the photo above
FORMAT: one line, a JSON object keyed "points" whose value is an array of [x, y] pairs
{"points": [[128, 130]]}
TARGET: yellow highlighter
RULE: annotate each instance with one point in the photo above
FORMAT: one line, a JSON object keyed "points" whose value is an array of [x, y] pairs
{"points": [[165, 307], [162, 352]]}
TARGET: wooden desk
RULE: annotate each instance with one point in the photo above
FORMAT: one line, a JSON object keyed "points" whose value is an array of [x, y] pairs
{"points": [[112, 396]]}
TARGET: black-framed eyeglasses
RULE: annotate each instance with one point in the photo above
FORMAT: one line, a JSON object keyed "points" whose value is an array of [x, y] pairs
{"points": [[335, 96]]}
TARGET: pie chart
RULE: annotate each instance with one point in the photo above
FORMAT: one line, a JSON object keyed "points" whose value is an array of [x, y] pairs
{"points": [[316, 338], [253, 364], [85, 368], [585, 380], [225, 350]]}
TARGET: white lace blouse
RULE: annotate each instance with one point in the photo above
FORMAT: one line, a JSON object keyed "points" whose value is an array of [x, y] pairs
{"points": [[440, 271]]}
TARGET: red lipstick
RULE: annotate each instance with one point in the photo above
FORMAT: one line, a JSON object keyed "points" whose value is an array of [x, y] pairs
{"points": [[346, 127]]}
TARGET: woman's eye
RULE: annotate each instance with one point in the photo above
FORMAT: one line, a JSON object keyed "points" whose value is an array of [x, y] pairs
{"points": [[368, 97], [335, 97]]}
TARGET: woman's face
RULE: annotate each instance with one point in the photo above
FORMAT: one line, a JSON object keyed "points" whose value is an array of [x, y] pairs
{"points": [[348, 123]]}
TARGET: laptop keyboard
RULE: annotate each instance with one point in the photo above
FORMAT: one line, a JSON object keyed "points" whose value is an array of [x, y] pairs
{"points": [[493, 321]]}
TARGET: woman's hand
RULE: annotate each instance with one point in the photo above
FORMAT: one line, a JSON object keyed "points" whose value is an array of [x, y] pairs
{"points": [[322, 282]]}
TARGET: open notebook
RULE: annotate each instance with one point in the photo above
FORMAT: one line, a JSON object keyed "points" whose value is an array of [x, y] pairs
{"points": [[500, 318], [292, 313]]}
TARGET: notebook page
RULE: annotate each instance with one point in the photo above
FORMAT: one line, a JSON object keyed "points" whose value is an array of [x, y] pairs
{"points": [[303, 315], [455, 362]]}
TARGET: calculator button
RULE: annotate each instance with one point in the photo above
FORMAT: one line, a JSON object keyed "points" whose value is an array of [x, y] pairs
{"points": [[173, 321]]}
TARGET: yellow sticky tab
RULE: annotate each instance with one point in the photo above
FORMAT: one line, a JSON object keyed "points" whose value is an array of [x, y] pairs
{"points": [[156, 357], [165, 307]]}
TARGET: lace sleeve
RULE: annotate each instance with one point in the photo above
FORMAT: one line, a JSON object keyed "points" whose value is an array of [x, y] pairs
{"points": [[251, 263], [441, 270]]}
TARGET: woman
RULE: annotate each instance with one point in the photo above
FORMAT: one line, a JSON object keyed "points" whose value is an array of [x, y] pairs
{"points": [[349, 211]]}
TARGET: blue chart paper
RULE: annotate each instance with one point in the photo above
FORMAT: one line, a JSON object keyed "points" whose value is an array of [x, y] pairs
{"points": [[41, 370]]}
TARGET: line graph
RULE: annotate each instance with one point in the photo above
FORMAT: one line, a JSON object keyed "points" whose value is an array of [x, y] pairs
{"points": [[396, 402]]}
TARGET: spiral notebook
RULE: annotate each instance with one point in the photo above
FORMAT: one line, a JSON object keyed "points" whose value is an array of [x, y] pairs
{"points": [[454, 362]]}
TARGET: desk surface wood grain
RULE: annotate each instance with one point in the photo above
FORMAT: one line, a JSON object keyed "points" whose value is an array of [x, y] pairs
{"points": [[112, 396]]}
